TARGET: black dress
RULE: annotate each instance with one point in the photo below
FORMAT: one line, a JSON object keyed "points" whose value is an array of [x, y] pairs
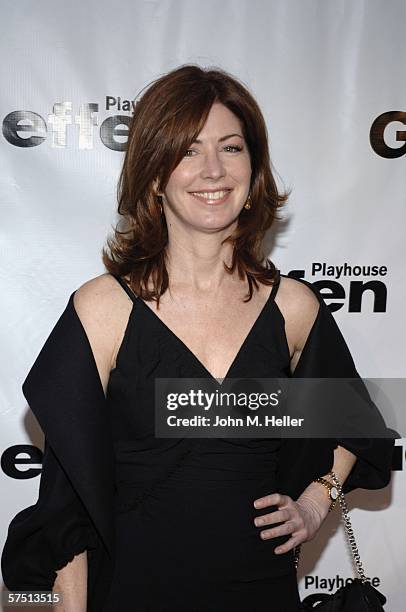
{"points": [[186, 505], [168, 523]]}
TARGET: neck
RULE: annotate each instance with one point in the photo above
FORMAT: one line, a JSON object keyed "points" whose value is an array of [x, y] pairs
{"points": [[196, 259]]}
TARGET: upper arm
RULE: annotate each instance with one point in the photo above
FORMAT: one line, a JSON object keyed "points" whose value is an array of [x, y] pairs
{"points": [[103, 310], [299, 307]]}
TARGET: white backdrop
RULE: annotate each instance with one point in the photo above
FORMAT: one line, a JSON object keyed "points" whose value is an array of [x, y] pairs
{"points": [[322, 71]]}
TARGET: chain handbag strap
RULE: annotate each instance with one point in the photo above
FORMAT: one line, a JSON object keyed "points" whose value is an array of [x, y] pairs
{"points": [[348, 531]]}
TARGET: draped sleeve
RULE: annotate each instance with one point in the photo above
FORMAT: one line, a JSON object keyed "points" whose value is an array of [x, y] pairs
{"points": [[326, 355], [74, 510]]}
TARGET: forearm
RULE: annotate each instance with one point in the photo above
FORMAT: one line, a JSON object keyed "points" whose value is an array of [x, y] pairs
{"points": [[342, 466], [71, 583]]}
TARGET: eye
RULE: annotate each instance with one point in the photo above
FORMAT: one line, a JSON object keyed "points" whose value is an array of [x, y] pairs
{"points": [[233, 148], [189, 152]]}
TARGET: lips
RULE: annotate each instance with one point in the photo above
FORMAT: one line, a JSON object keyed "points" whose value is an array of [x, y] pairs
{"points": [[212, 196]]}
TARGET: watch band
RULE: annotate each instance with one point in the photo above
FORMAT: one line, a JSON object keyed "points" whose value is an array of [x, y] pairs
{"points": [[331, 489]]}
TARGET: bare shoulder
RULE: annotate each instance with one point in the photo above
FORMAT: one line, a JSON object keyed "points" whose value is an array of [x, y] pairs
{"points": [[100, 294], [103, 308], [299, 306], [297, 299]]}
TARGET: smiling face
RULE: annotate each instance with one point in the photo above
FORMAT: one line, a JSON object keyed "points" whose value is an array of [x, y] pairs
{"points": [[210, 185]]}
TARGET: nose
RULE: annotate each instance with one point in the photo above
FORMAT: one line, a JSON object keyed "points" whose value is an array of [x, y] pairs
{"points": [[212, 165]]}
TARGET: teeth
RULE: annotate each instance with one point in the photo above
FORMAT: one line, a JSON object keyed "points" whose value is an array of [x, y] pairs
{"points": [[213, 195]]}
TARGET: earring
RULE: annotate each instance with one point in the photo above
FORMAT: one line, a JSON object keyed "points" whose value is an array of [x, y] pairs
{"points": [[248, 203]]}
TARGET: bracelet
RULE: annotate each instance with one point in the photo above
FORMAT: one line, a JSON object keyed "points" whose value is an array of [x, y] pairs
{"points": [[331, 489]]}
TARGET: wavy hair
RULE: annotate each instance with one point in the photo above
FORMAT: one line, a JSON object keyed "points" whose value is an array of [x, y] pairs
{"points": [[168, 116]]}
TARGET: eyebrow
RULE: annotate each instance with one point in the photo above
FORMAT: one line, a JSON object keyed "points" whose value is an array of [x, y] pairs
{"points": [[221, 139]]}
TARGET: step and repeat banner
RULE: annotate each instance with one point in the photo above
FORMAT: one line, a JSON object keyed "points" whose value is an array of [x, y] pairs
{"points": [[328, 77]]}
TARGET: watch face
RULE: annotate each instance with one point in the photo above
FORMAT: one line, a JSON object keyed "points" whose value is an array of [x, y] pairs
{"points": [[333, 493]]}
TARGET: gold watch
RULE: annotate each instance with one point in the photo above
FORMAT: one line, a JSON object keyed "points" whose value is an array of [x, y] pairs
{"points": [[331, 489]]}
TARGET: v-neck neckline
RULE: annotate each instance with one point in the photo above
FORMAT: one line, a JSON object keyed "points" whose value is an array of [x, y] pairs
{"points": [[189, 351]]}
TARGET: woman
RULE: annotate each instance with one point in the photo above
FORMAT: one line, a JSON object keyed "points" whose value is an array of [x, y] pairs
{"points": [[128, 521]]}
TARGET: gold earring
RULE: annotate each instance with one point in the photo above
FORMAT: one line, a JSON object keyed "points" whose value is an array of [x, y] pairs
{"points": [[248, 203]]}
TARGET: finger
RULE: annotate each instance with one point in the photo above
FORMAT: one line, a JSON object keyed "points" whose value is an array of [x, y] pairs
{"points": [[289, 545], [279, 516], [285, 529], [275, 499]]}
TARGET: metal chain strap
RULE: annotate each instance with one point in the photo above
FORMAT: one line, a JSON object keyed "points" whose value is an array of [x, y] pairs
{"points": [[348, 531]]}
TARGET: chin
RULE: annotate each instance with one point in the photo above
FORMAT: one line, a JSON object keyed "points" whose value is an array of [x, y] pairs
{"points": [[215, 224]]}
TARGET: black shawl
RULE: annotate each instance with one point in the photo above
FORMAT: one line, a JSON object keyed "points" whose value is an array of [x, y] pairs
{"points": [[75, 506]]}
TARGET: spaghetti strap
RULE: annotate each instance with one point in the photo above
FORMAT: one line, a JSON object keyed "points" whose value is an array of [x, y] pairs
{"points": [[133, 297], [126, 288], [275, 284]]}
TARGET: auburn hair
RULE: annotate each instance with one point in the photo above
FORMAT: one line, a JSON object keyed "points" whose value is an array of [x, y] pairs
{"points": [[167, 118]]}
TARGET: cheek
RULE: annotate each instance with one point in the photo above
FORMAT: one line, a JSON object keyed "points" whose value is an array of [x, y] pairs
{"points": [[241, 170], [179, 179]]}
